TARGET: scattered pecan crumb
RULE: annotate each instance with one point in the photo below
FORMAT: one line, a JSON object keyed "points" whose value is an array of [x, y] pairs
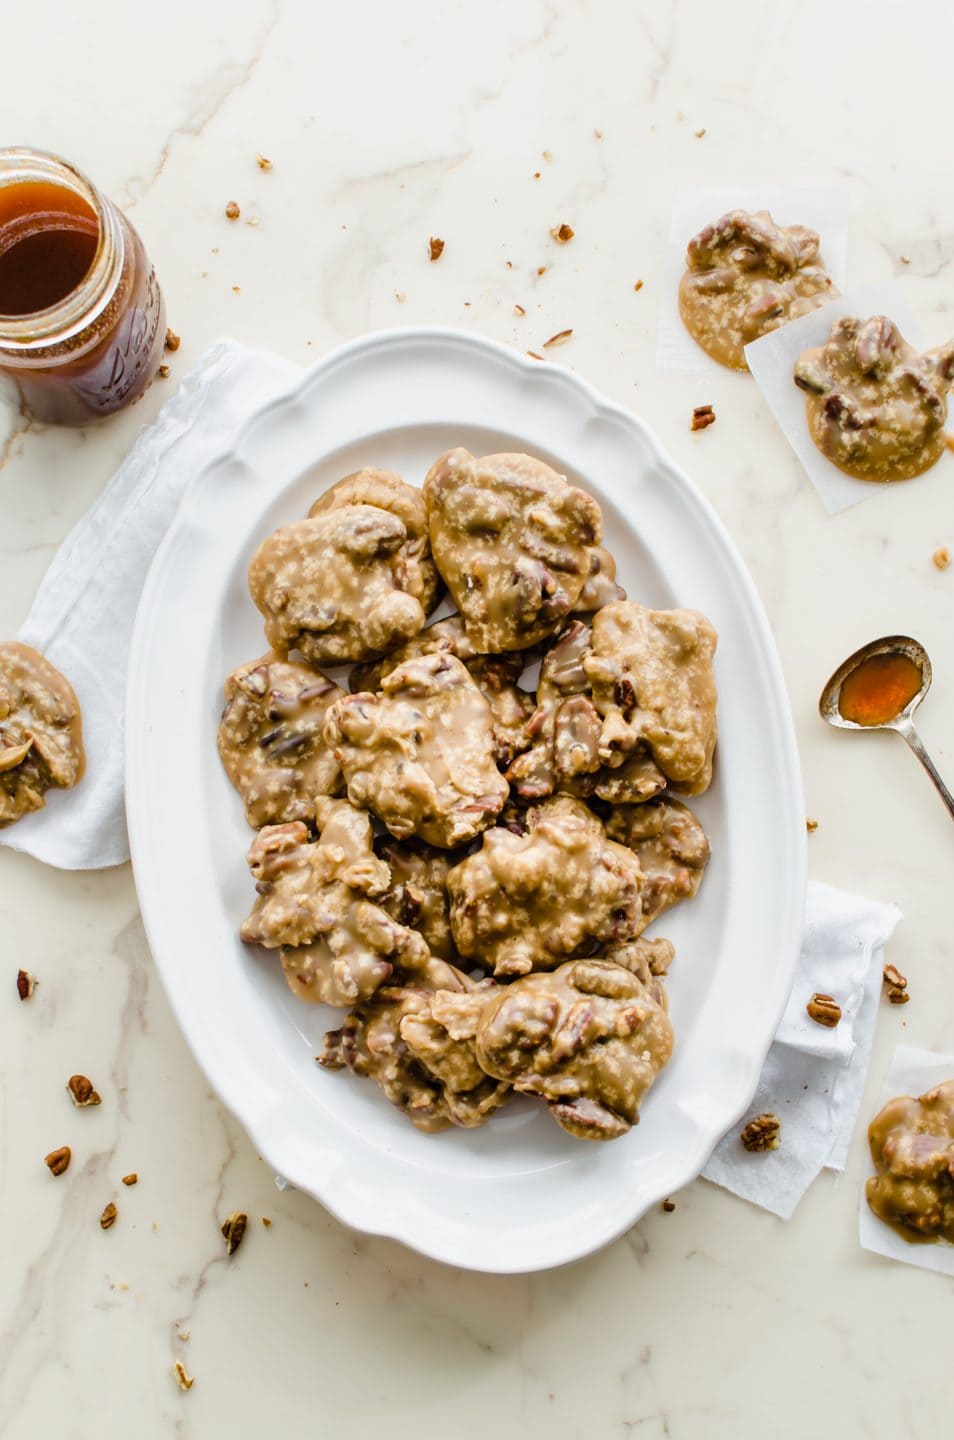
{"points": [[435, 247], [131, 1179], [762, 1133], [896, 985], [517, 310], [941, 558], [905, 259], [597, 134], [109, 1216], [669, 1206], [563, 234], [236, 289], [183, 1379], [58, 1160], [234, 1231], [811, 825], [252, 220], [541, 269], [560, 338], [172, 340], [266, 1222], [508, 264], [699, 133], [533, 355], [702, 416], [536, 174], [232, 211], [548, 157], [184, 1335], [639, 285], [949, 441], [399, 296], [26, 984], [824, 1010], [263, 162], [163, 372], [82, 1092]]}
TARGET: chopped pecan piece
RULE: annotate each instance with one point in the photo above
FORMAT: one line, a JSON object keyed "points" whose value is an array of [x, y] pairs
{"points": [[896, 985], [26, 984], [702, 416], [184, 1380], [109, 1216], [762, 1133]]}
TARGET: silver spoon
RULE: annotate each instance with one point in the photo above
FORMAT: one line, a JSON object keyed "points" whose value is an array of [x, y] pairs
{"points": [[903, 722]]}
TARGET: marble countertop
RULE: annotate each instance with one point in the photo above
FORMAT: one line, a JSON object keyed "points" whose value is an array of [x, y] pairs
{"points": [[484, 125]]}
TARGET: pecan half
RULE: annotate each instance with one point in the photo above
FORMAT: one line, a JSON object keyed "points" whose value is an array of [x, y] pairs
{"points": [[824, 1010], [234, 1231], [58, 1160], [26, 984], [82, 1092], [762, 1133]]}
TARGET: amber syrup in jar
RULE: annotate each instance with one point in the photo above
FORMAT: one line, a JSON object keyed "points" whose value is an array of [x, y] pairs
{"points": [[81, 313]]}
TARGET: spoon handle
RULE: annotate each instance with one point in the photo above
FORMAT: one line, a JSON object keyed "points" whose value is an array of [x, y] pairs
{"points": [[914, 740]]}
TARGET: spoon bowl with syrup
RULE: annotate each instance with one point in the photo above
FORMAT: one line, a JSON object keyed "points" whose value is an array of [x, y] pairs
{"points": [[879, 688]]}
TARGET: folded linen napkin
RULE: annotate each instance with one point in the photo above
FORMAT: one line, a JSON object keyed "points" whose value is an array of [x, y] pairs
{"points": [[813, 1077], [82, 619]]}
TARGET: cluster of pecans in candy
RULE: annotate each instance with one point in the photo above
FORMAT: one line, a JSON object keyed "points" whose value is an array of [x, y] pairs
{"points": [[875, 406], [463, 864], [745, 276]]}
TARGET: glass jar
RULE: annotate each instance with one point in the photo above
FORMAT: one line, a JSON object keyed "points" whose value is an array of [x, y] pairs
{"points": [[82, 320]]}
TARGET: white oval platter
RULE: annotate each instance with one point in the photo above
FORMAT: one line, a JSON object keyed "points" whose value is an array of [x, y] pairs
{"points": [[519, 1194]]}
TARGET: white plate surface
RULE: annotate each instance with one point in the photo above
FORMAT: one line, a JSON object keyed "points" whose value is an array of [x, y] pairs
{"points": [[519, 1194]]}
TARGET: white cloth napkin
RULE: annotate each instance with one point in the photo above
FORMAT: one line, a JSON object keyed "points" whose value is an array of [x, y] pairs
{"points": [[912, 1072], [813, 1077], [82, 617]]}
